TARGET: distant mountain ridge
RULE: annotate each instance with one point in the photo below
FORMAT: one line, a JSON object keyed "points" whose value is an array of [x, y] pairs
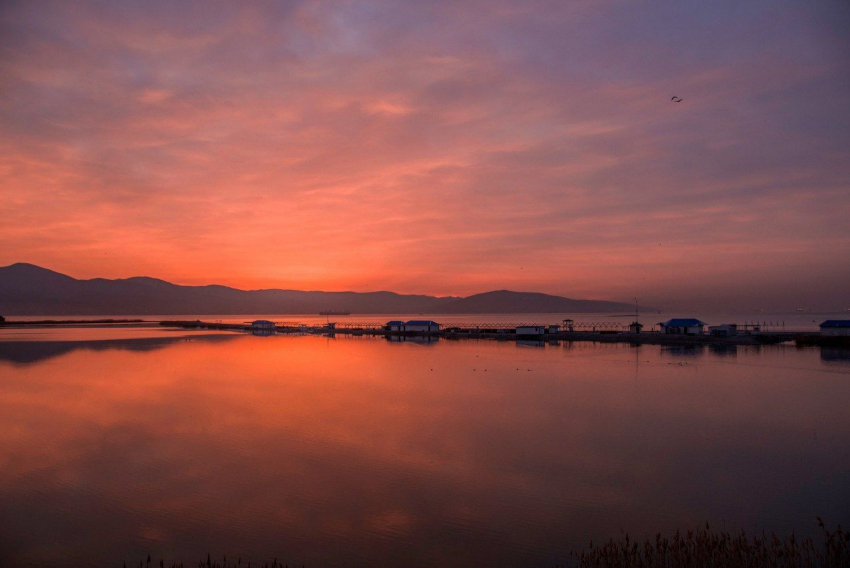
{"points": [[508, 302], [27, 289]]}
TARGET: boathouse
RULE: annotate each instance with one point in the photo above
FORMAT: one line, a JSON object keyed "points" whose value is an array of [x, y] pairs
{"points": [[683, 326], [531, 329], [394, 325], [724, 330], [421, 326], [835, 328], [262, 325]]}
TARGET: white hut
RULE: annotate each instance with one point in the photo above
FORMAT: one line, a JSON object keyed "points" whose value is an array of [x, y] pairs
{"points": [[394, 325], [635, 327]]}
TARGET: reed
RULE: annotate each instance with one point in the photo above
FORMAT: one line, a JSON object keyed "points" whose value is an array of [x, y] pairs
{"points": [[705, 548], [700, 548]]}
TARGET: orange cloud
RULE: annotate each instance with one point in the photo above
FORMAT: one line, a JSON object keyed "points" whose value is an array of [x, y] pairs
{"points": [[436, 150]]}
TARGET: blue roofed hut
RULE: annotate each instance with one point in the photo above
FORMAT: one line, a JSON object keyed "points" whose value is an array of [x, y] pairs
{"points": [[835, 328], [683, 326]]}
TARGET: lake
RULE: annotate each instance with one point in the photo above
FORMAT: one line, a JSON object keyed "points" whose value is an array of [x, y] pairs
{"points": [[116, 443]]}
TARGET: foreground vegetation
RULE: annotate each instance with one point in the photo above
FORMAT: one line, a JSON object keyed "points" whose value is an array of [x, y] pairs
{"points": [[701, 548], [704, 548]]}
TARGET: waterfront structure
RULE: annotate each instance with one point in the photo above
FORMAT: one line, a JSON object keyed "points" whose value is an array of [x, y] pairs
{"points": [[554, 328], [635, 327], [835, 328], [683, 326], [609, 332], [262, 325], [724, 330], [394, 325], [531, 330], [421, 325]]}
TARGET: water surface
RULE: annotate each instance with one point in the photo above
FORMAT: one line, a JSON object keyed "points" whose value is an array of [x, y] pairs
{"points": [[362, 451]]}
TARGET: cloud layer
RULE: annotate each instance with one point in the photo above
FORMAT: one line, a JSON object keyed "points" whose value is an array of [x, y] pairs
{"points": [[434, 147]]}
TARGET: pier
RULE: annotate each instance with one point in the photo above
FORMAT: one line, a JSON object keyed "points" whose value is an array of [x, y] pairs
{"points": [[604, 333]]}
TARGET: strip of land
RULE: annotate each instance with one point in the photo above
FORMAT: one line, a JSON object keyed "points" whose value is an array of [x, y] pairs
{"points": [[72, 322], [458, 332]]}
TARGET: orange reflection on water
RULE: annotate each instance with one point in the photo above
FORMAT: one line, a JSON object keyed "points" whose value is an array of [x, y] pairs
{"points": [[318, 449]]}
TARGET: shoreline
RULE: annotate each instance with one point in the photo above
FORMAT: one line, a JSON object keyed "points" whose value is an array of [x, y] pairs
{"points": [[800, 338], [109, 321], [658, 338]]}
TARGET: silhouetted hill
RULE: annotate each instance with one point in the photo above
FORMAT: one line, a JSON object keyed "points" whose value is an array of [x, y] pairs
{"points": [[26, 289], [507, 302]]}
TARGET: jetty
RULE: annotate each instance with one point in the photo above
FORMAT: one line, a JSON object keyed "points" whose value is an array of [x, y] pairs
{"points": [[606, 332]]}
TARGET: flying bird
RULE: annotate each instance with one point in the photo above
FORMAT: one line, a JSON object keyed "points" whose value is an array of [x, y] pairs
{"points": [[676, 99]]}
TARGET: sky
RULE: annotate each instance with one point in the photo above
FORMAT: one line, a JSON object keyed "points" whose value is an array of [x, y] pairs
{"points": [[439, 147]]}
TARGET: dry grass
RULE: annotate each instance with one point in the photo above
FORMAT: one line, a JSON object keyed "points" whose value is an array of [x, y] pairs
{"points": [[700, 548], [704, 548]]}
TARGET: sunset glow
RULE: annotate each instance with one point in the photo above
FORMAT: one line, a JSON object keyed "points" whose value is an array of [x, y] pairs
{"points": [[434, 147]]}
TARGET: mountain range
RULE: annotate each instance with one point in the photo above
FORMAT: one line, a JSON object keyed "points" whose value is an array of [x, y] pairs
{"points": [[26, 289]]}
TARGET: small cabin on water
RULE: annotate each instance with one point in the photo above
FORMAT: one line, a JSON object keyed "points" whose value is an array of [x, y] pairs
{"points": [[724, 330], [531, 330], [421, 325], [262, 325], [835, 328], [683, 326], [394, 325]]}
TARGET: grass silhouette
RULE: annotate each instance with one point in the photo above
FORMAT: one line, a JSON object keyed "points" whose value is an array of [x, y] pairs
{"points": [[704, 548], [700, 548]]}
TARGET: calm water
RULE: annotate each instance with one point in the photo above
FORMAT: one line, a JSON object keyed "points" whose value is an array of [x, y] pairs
{"points": [[362, 451]]}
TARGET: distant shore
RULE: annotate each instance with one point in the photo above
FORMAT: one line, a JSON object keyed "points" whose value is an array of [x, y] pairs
{"points": [[73, 322], [762, 338], [800, 338]]}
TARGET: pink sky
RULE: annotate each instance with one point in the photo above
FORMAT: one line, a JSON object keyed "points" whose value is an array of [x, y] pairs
{"points": [[435, 147]]}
